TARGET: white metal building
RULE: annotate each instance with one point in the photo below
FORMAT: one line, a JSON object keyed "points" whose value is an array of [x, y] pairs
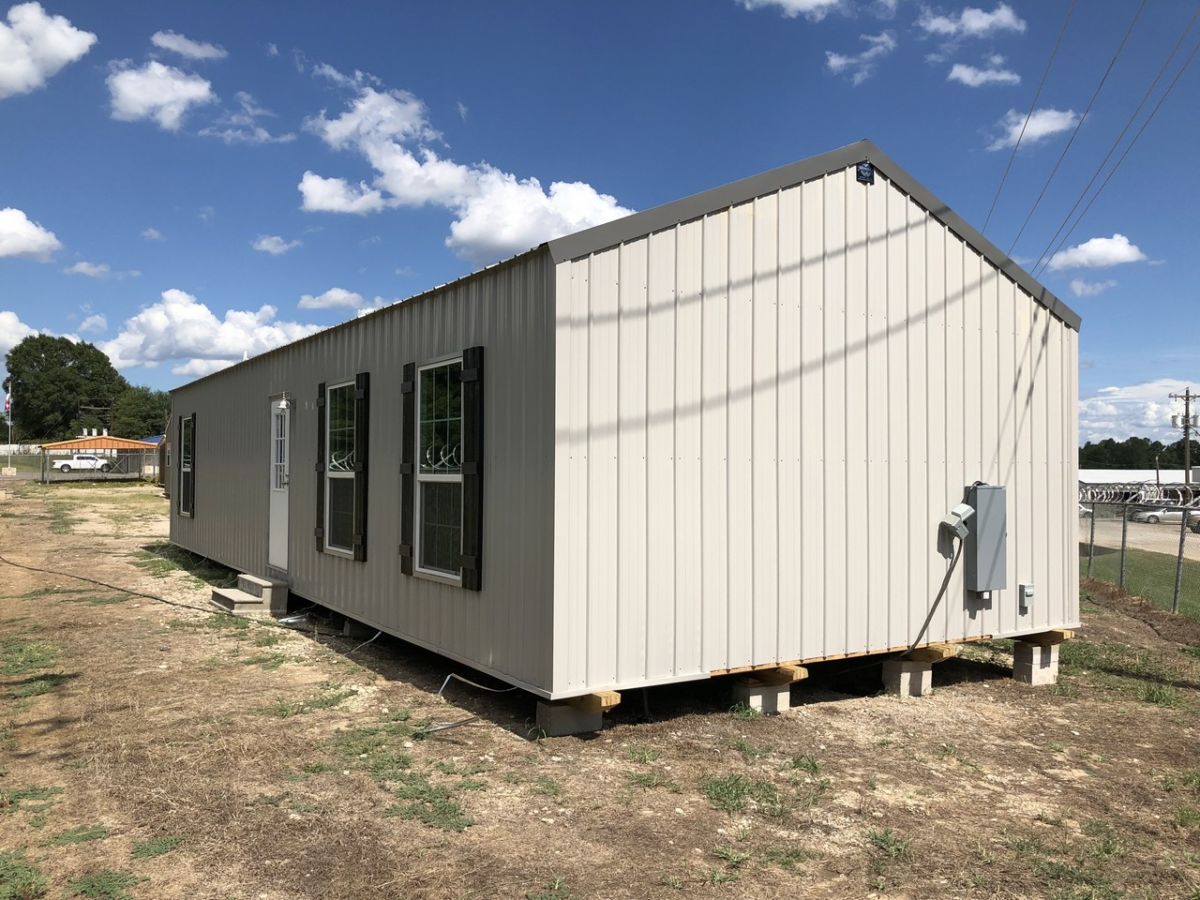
{"points": [[715, 435]]}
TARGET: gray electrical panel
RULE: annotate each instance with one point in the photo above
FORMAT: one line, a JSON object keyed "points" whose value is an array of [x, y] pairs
{"points": [[986, 548]]}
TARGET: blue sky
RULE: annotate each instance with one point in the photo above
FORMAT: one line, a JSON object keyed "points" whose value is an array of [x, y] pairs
{"points": [[186, 183]]}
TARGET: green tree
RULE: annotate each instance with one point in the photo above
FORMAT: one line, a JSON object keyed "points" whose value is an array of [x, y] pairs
{"points": [[59, 386], [139, 412]]}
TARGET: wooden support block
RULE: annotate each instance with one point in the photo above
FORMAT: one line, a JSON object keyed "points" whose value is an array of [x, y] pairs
{"points": [[784, 674], [1048, 638], [599, 702], [934, 653]]}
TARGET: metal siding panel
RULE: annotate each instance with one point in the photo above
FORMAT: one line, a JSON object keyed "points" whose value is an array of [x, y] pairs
{"points": [[1006, 618], [812, 401], [1071, 417], [1055, 391], [661, 460], [603, 368], [630, 418], [1041, 497], [937, 499], [876, 537], [921, 530], [972, 395], [989, 410], [857, 412], [1023, 483], [834, 430], [714, 438], [576, 602], [790, 435], [565, 366], [508, 310], [740, 547], [765, 418], [956, 424], [898, 396], [689, 616]]}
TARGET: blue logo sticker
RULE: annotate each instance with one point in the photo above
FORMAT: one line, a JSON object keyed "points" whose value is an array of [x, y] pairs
{"points": [[866, 173]]}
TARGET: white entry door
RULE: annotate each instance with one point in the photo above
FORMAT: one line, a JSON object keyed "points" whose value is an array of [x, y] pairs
{"points": [[277, 549]]}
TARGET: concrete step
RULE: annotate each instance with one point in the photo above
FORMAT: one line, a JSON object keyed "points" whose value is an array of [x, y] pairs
{"points": [[272, 593], [236, 601]]}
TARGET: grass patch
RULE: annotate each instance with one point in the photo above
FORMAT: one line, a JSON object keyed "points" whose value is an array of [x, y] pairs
{"points": [[287, 709], [1187, 817], [652, 780], [155, 846], [555, 890], [732, 793], [806, 763], [741, 710], [267, 661], [889, 844], [269, 640], [429, 804], [213, 622], [19, 878], [108, 600], [20, 656], [789, 858], [639, 753], [1159, 694], [164, 558], [547, 787], [55, 591], [107, 884], [11, 800], [80, 835], [39, 684], [749, 751], [1150, 575]]}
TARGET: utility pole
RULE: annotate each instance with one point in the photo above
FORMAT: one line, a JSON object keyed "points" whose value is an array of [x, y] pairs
{"points": [[1185, 421]]}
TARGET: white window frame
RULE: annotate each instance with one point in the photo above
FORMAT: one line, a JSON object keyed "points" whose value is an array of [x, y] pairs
{"points": [[280, 472], [330, 473], [186, 461], [418, 513]]}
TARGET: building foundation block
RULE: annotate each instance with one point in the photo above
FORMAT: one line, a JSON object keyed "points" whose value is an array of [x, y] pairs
{"points": [[558, 719], [765, 696], [1035, 663], [907, 678]]}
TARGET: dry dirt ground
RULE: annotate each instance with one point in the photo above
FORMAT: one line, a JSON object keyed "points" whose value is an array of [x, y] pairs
{"points": [[153, 751]]}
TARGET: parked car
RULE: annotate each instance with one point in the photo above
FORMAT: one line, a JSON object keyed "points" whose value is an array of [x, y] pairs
{"points": [[1164, 514], [83, 462]]}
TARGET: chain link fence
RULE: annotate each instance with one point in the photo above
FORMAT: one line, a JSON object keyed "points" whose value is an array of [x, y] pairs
{"points": [[116, 465], [1148, 550]]}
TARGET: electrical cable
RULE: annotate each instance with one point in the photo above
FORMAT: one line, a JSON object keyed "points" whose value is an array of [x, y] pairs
{"points": [[1117, 141], [446, 726], [1167, 93], [1078, 125], [1029, 115]]}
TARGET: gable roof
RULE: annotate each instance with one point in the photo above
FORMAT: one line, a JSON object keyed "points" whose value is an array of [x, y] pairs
{"points": [[99, 442], [583, 243]]}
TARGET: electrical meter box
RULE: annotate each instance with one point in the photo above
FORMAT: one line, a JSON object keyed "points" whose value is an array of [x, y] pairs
{"points": [[986, 547]]}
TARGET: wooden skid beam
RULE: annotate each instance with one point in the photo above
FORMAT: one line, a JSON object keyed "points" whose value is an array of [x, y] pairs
{"points": [[1048, 638], [785, 674], [857, 654], [600, 701], [934, 653]]}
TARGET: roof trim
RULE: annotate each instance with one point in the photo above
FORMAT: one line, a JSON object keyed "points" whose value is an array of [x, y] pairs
{"points": [[584, 243]]}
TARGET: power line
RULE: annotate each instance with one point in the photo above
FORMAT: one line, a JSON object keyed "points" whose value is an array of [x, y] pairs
{"points": [[1167, 93], [1117, 141], [1074, 134], [1029, 115]]}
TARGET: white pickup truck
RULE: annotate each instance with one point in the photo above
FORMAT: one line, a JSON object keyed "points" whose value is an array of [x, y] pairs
{"points": [[82, 462]]}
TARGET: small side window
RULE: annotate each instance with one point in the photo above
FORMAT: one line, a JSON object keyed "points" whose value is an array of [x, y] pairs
{"points": [[187, 450]]}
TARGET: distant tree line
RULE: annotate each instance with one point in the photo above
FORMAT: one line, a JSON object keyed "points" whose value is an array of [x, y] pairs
{"points": [[1135, 453], [60, 387]]}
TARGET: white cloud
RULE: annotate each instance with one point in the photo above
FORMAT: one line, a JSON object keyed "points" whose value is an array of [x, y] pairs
{"points": [[186, 47], [155, 91], [153, 234], [993, 74], [1082, 288], [273, 244], [179, 328], [99, 271], [243, 127], [860, 66], [810, 9], [1043, 123], [19, 236], [972, 22], [496, 213], [1137, 409], [463, 112], [334, 298], [93, 324], [337, 195], [198, 368], [35, 46], [272, 49], [12, 332], [1097, 253]]}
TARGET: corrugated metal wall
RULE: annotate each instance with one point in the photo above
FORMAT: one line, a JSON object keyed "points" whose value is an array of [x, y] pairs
{"points": [[505, 629], [762, 415]]}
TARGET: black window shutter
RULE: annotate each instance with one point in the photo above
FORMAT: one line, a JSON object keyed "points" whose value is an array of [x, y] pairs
{"points": [[408, 459], [192, 483], [362, 414], [319, 531], [472, 467]]}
